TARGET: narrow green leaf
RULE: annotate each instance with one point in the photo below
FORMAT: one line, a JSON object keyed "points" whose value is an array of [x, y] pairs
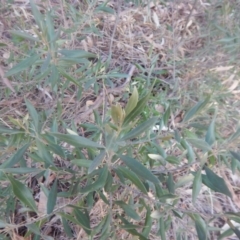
{"points": [[53, 81], [15, 158], [136, 111], [100, 225], [114, 75], [76, 141], [199, 143], [139, 169], [196, 109], [227, 40], [190, 153], [234, 136], [33, 113], [82, 162], [97, 161], [103, 197], [21, 170], [120, 175], [24, 64], [128, 210], [186, 179], [67, 228], [52, 198], [147, 224], [56, 149], [65, 62], [210, 136], [68, 217], [173, 159], [133, 178], [162, 229], [225, 234], [165, 197], [132, 102], [45, 66], [24, 35], [200, 226], [140, 128], [117, 114], [159, 149], [4, 130], [234, 165], [23, 193], [170, 184], [166, 116], [70, 78], [106, 224], [235, 230], [77, 53], [157, 157], [177, 135], [45, 155], [105, 9], [233, 216], [235, 155], [214, 182], [129, 227], [83, 219], [109, 182], [197, 184], [158, 190], [99, 183], [36, 13], [177, 213], [211, 158], [50, 28]]}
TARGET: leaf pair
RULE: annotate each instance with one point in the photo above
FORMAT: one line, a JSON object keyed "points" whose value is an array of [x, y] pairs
{"points": [[76, 140], [141, 128], [211, 180], [133, 108], [132, 103], [215, 182], [139, 169], [80, 218], [118, 114], [24, 194], [196, 109], [99, 183]]}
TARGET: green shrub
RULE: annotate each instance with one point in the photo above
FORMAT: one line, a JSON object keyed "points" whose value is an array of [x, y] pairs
{"points": [[52, 167]]}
